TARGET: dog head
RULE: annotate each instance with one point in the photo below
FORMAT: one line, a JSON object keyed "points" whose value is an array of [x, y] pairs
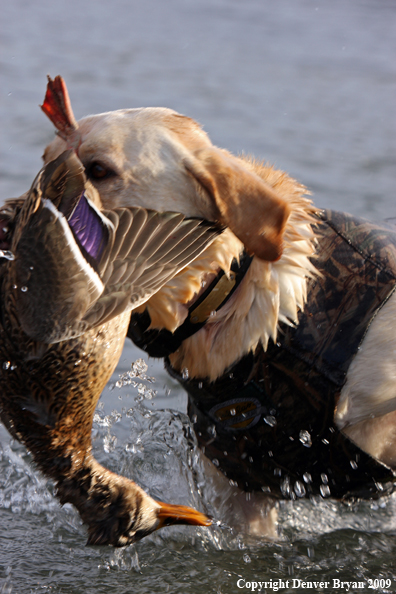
{"points": [[159, 159]]}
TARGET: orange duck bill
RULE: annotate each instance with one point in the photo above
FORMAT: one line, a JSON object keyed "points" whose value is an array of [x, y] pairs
{"points": [[169, 515]]}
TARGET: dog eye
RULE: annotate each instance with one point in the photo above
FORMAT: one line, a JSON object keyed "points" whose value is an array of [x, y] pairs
{"points": [[98, 171]]}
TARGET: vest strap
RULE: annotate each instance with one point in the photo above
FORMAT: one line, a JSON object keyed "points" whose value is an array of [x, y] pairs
{"points": [[161, 343]]}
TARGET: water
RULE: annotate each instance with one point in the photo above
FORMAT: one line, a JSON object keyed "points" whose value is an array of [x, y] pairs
{"points": [[308, 85]]}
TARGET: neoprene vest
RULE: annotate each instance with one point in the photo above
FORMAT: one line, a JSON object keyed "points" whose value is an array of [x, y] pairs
{"points": [[268, 422]]}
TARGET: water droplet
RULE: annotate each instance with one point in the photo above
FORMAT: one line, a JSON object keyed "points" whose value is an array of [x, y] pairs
{"points": [[325, 441], [270, 420], [194, 418], [212, 430], [150, 394], [231, 376], [216, 462], [305, 438], [285, 487], [325, 490], [109, 443], [7, 254], [225, 453], [307, 477], [200, 385], [299, 489], [14, 286], [138, 370], [24, 289], [185, 374], [353, 464], [233, 412], [277, 471], [118, 384], [6, 365], [324, 478], [246, 558]]}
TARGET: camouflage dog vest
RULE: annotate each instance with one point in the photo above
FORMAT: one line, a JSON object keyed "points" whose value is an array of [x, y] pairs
{"points": [[268, 422]]}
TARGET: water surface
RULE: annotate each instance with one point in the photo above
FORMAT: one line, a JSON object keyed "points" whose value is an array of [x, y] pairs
{"points": [[305, 84]]}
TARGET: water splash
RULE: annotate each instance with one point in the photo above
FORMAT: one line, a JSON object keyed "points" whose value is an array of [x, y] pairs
{"points": [[22, 488], [138, 371]]}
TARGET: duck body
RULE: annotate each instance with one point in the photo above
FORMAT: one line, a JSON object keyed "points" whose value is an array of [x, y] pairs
{"points": [[48, 392], [48, 395], [64, 313]]}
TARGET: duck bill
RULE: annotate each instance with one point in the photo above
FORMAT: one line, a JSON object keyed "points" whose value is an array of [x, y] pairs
{"points": [[169, 514]]}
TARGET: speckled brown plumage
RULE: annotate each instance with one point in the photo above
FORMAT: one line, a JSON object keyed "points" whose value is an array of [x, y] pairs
{"points": [[49, 390]]}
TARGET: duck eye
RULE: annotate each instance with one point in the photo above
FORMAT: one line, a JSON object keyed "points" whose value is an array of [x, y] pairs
{"points": [[98, 171]]}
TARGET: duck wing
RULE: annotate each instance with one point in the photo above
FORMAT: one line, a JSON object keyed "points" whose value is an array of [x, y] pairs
{"points": [[77, 266], [149, 249]]}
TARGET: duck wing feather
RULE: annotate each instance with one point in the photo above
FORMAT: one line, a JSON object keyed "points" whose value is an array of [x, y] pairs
{"points": [[77, 266]]}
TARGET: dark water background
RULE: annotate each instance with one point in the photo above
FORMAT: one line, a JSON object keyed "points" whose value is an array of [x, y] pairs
{"points": [[308, 85]]}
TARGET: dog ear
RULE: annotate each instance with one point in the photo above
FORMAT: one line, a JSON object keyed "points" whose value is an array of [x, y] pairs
{"points": [[242, 200]]}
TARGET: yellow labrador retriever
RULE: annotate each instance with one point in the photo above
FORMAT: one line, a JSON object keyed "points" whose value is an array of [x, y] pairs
{"points": [[282, 331]]}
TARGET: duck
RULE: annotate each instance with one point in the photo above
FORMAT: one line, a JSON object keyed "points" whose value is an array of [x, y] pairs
{"points": [[71, 272]]}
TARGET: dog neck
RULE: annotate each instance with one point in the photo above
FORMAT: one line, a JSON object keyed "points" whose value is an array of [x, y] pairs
{"points": [[270, 292]]}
